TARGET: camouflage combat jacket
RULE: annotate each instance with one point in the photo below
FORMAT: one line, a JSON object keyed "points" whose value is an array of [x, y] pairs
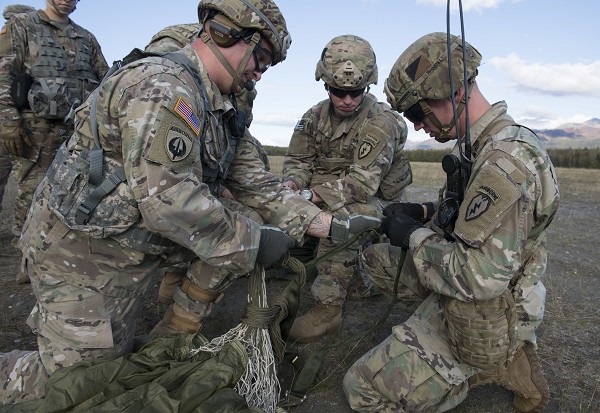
{"points": [[353, 163], [499, 236], [175, 37], [156, 124], [64, 60]]}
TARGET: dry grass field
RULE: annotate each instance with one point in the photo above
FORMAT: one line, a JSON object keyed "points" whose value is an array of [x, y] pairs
{"points": [[568, 338]]}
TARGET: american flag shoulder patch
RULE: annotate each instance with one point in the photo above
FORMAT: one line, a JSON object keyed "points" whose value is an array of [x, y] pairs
{"points": [[183, 109], [300, 125]]}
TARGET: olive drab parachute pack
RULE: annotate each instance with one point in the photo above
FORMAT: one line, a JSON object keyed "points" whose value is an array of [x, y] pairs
{"points": [[57, 83]]}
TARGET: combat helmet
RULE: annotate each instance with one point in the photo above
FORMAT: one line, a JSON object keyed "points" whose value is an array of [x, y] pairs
{"points": [[261, 15], [421, 71], [347, 62]]}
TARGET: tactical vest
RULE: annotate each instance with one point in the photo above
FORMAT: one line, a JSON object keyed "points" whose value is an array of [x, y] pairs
{"points": [[92, 197], [333, 167], [57, 81]]}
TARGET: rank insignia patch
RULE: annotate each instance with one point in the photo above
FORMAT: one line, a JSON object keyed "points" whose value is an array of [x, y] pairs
{"points": [[187, 113], [179, 144]]}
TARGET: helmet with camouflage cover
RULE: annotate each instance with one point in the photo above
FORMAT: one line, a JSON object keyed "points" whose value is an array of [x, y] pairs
{"points": [[347, 62], [421, 71], [261, 15]]}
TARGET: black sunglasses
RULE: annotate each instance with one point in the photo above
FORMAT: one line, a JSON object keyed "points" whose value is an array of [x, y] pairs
{"points": [[415, 113], [341, 93]]}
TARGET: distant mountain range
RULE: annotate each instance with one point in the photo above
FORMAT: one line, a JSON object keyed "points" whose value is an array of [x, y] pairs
{"points": [[569, 135]]}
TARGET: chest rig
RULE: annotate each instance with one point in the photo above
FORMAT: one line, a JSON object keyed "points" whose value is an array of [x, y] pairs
{"points": [[333, 162], [63, 72]]}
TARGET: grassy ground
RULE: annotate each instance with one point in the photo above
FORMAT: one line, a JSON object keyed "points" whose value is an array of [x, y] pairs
{"points": [[568, 338]]}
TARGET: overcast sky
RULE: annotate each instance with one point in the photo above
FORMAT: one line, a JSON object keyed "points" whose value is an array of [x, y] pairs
{"points": [[541, 56]]}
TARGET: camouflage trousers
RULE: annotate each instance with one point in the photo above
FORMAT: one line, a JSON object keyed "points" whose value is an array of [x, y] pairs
{"points": [[337, 272], [206, 276], [45, 136], [413, 370], [5, 168]]}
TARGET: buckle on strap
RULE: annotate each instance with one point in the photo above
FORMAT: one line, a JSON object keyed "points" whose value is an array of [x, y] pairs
{"points": [[85, 209]]}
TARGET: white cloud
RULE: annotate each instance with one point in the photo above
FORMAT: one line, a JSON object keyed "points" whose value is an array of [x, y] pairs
{"points": [[564, 79]]}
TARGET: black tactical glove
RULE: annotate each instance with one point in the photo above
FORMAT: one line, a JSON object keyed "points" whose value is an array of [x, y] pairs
{"points": [[342, 229], [413, 210], [274, 243], [398, 229]]}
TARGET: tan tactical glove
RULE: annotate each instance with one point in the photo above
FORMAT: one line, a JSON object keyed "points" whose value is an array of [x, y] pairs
{"points": [[13, 138]]}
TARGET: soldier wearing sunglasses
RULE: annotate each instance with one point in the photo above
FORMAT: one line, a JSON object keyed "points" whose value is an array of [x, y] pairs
{"points": [[346, 156]]}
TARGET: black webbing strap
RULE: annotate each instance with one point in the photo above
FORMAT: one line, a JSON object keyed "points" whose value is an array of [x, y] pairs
{"points": [[311, 366], [84, 210]]}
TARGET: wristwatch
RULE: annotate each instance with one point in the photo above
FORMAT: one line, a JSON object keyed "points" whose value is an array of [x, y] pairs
{"points": [[306, 194]]}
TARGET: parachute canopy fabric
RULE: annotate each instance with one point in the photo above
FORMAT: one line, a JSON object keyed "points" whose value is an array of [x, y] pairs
{"points": [[158, 377]]}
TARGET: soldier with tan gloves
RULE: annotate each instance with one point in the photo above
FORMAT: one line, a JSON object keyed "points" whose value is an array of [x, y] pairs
{"points": [[474, 269], [346, 156]]}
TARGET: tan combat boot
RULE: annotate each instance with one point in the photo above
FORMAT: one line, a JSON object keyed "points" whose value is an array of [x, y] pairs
{"points": [[320, 320], [523, 376], [168, 286], [177, 321]]}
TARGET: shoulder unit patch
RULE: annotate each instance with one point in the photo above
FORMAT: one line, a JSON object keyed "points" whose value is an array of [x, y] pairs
{"points": [[178, 144], [478, 205]]}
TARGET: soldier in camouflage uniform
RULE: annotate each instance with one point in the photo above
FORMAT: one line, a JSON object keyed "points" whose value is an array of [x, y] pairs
{"points": [[477, 279], [48, 64], [5, 161], [170, 39], [345, 155], [133, 190]]}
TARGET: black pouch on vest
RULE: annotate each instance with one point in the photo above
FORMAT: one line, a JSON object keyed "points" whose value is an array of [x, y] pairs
{"points": [[19, 90], [237, 124]]}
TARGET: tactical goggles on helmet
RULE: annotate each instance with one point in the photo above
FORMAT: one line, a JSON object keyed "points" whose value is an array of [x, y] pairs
{"points": [[261, 55], [342, 93]]}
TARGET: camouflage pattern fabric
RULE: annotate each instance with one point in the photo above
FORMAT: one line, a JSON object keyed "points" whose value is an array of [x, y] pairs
{"points": [[348, 62], [5, 168], [89, 279], [345, 166], [500, 235], [263, 16], [175, 37], [19, 52]]}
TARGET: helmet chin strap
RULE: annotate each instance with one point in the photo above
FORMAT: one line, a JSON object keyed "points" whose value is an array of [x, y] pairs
{"points": [[235, 74], [444, 129]]}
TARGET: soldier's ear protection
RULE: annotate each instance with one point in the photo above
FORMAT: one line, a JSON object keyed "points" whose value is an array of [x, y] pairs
{"points": [[224, 32]]}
